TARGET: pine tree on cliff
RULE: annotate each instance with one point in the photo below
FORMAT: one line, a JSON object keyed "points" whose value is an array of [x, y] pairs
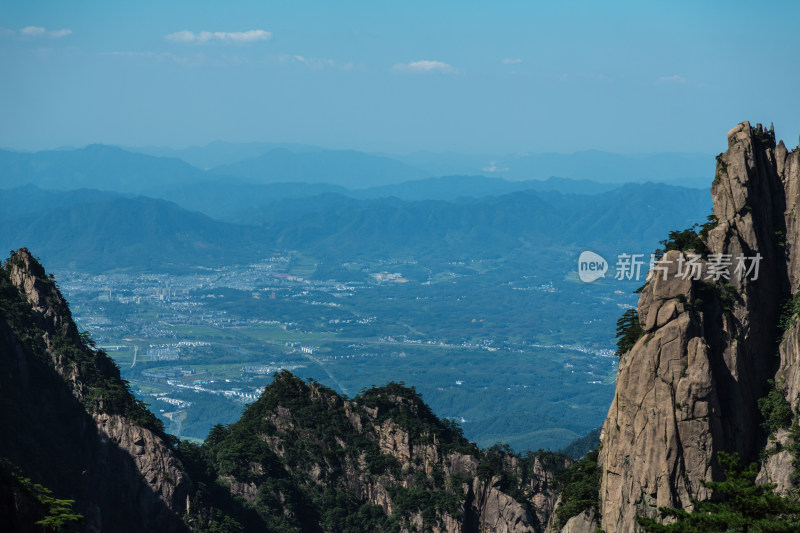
{"points": [[744, 507]]}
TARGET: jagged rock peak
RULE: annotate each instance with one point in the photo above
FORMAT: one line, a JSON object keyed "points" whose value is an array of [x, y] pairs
{"points": [[689, 387], [77, 428], [383, 446], [41, 292]]}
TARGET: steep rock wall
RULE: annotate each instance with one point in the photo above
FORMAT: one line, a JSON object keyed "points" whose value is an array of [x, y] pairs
{"points": [[123, 477], [690, 385]]}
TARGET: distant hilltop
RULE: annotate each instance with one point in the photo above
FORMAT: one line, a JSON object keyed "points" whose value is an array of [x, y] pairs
{"points": [[147, 170]]}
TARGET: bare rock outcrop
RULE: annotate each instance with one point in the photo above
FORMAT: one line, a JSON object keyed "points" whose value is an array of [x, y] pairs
{"points": [[47, 303], [77, 440], [154, 460], [586, 522], [777, 468], [690, 385], [496, 512]]}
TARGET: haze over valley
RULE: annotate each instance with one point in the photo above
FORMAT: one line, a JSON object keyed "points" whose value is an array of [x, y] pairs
{"points": [[369, 267], [201, 286]]}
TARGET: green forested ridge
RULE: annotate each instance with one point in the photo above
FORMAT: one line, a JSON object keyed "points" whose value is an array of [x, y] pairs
{"points": [[301, 444], [579, 448], [97, 232]]}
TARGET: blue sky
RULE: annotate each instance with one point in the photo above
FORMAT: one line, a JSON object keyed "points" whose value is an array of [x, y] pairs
{"points": [[472, 77]]}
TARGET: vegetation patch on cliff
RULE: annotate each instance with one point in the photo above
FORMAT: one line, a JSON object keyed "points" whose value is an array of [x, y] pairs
{"points": [[690, 239], [629, 330], [581, 447], [740, 505], [580, 488], [790, 312], [54, 514], [775, 410]]}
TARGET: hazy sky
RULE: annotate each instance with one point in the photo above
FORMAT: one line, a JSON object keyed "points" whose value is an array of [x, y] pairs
{"points": [[639, 76]]}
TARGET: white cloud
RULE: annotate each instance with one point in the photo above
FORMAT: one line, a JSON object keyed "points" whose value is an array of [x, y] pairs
{"points": [[33, 31], [193, 60], [425, 65], [184, 36], [314, 63], [671, 79], [38, 31], [249, 36], [317, 63], [512, 61], [57, 34]]}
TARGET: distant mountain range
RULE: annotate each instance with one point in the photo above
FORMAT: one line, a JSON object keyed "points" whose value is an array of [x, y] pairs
{"points": [[220, 153], [674, 168], [347, 168], [102, 207], [123, 233], [94, 167], [455, 187], [96, 231], [29, 200], [233, 200], [153, 171], [334, 225], [686, 169]]}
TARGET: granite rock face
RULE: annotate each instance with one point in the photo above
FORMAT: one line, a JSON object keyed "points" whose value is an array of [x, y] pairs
{"points": [[495, 511], [586, 522], [689, 387], [123, 477], [480, 503], [777, 469]]}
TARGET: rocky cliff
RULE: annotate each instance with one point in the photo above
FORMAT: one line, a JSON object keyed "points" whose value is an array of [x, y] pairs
{"points": [[690, 385], [304, 458], [69, 422]]}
